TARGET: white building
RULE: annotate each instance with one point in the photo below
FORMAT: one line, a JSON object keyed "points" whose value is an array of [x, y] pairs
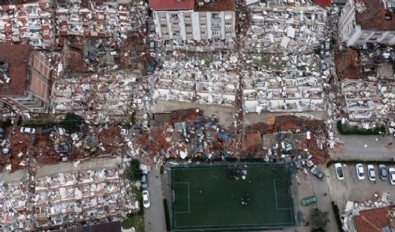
{"points": [[189, 20], [363, 21]]}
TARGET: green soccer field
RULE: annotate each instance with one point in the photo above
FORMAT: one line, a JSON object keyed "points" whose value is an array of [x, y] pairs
{"points": [[218, 197]]}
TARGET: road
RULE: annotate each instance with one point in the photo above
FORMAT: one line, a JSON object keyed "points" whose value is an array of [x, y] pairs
{"points": [[354, 147], [154, 216]]}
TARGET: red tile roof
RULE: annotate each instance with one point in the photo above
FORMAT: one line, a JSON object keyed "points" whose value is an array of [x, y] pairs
{"points": [[373, 17], [322, 2], [17, 57], [372, 220], [172, 4]]}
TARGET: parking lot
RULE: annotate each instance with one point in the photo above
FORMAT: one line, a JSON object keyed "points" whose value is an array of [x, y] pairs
{"points": [[353, 189]]}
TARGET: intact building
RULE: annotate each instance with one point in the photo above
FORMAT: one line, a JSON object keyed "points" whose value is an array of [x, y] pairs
{"points": [[194, 20], [363, 21], [24, 79]]}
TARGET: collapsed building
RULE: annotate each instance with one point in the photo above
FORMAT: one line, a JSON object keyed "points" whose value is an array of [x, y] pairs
{"points": [[367, 83], [64, 198], [29, 23], [96, 97]]}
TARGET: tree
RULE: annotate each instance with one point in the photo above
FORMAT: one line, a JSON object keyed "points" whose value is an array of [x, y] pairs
{"points": [[318, 219], [72, 123], [134, 171]]}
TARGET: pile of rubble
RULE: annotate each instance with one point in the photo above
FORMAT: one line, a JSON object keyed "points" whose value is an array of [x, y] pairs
{"points": [[367, 82], [281, 26], [30, 23], [81, 196], [100, 20], [15, 212], [96, 97], [204, 78]]}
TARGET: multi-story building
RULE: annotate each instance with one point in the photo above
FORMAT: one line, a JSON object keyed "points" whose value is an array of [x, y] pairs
{"points": [[183, 20], [364, 21], [24, 79]]}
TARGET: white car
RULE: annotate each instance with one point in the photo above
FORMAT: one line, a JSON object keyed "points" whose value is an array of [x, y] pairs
{"points": [[146, 200], [339, 171], [392, 175], [371, 173], [360, 172], [28, 130]]}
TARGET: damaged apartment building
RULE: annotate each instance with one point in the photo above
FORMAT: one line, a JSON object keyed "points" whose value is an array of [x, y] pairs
{"points": [[367, 21], [193, 23], [288, 43], [366, 70], [24, 79]]}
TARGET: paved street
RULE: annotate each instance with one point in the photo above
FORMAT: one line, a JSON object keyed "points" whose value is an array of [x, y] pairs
{"points": [[308, 185], [154, 216], [364, 148]]}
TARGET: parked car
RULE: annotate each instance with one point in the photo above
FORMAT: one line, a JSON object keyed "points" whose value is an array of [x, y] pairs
{"points": [[152, 46], [392, 175], [383, 171], [144, 181], [360, 172], [371, 173], [339, 171], [28, 130], [308, 201], [2, 132], [146, 200], [317, 173], [48, 130]]}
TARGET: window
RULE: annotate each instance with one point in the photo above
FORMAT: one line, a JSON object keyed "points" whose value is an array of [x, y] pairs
{"points": [[214, 15], [228, 24], [203, 16], [189, 33], [176, 32], [228, 32], [188, 25], [162, 17], [187, 16], [203, 32], [203, 24], [174, 15], [216, 33], [165, 33], [163, 25]]}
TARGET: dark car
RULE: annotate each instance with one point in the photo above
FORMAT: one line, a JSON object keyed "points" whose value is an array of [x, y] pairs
{"points": [[64, 147], [151, 67], [317, 173], [48, 130], [2, 132], [383, 172], [308, 201], [144, 181]]}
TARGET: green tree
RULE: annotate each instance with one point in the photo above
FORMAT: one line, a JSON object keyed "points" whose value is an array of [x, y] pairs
{"points": [[134, 171], [318, 219], [72, 122]]}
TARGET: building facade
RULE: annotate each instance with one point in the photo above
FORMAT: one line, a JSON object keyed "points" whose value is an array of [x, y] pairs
{"points": [[189, 20], [367, 21]]}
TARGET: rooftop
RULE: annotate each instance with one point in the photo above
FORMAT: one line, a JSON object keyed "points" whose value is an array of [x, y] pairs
{"points": [[373, 220], [17, 57], [346, 64], [322, 2], [372, 16], [217, 5], [172, 4]]}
